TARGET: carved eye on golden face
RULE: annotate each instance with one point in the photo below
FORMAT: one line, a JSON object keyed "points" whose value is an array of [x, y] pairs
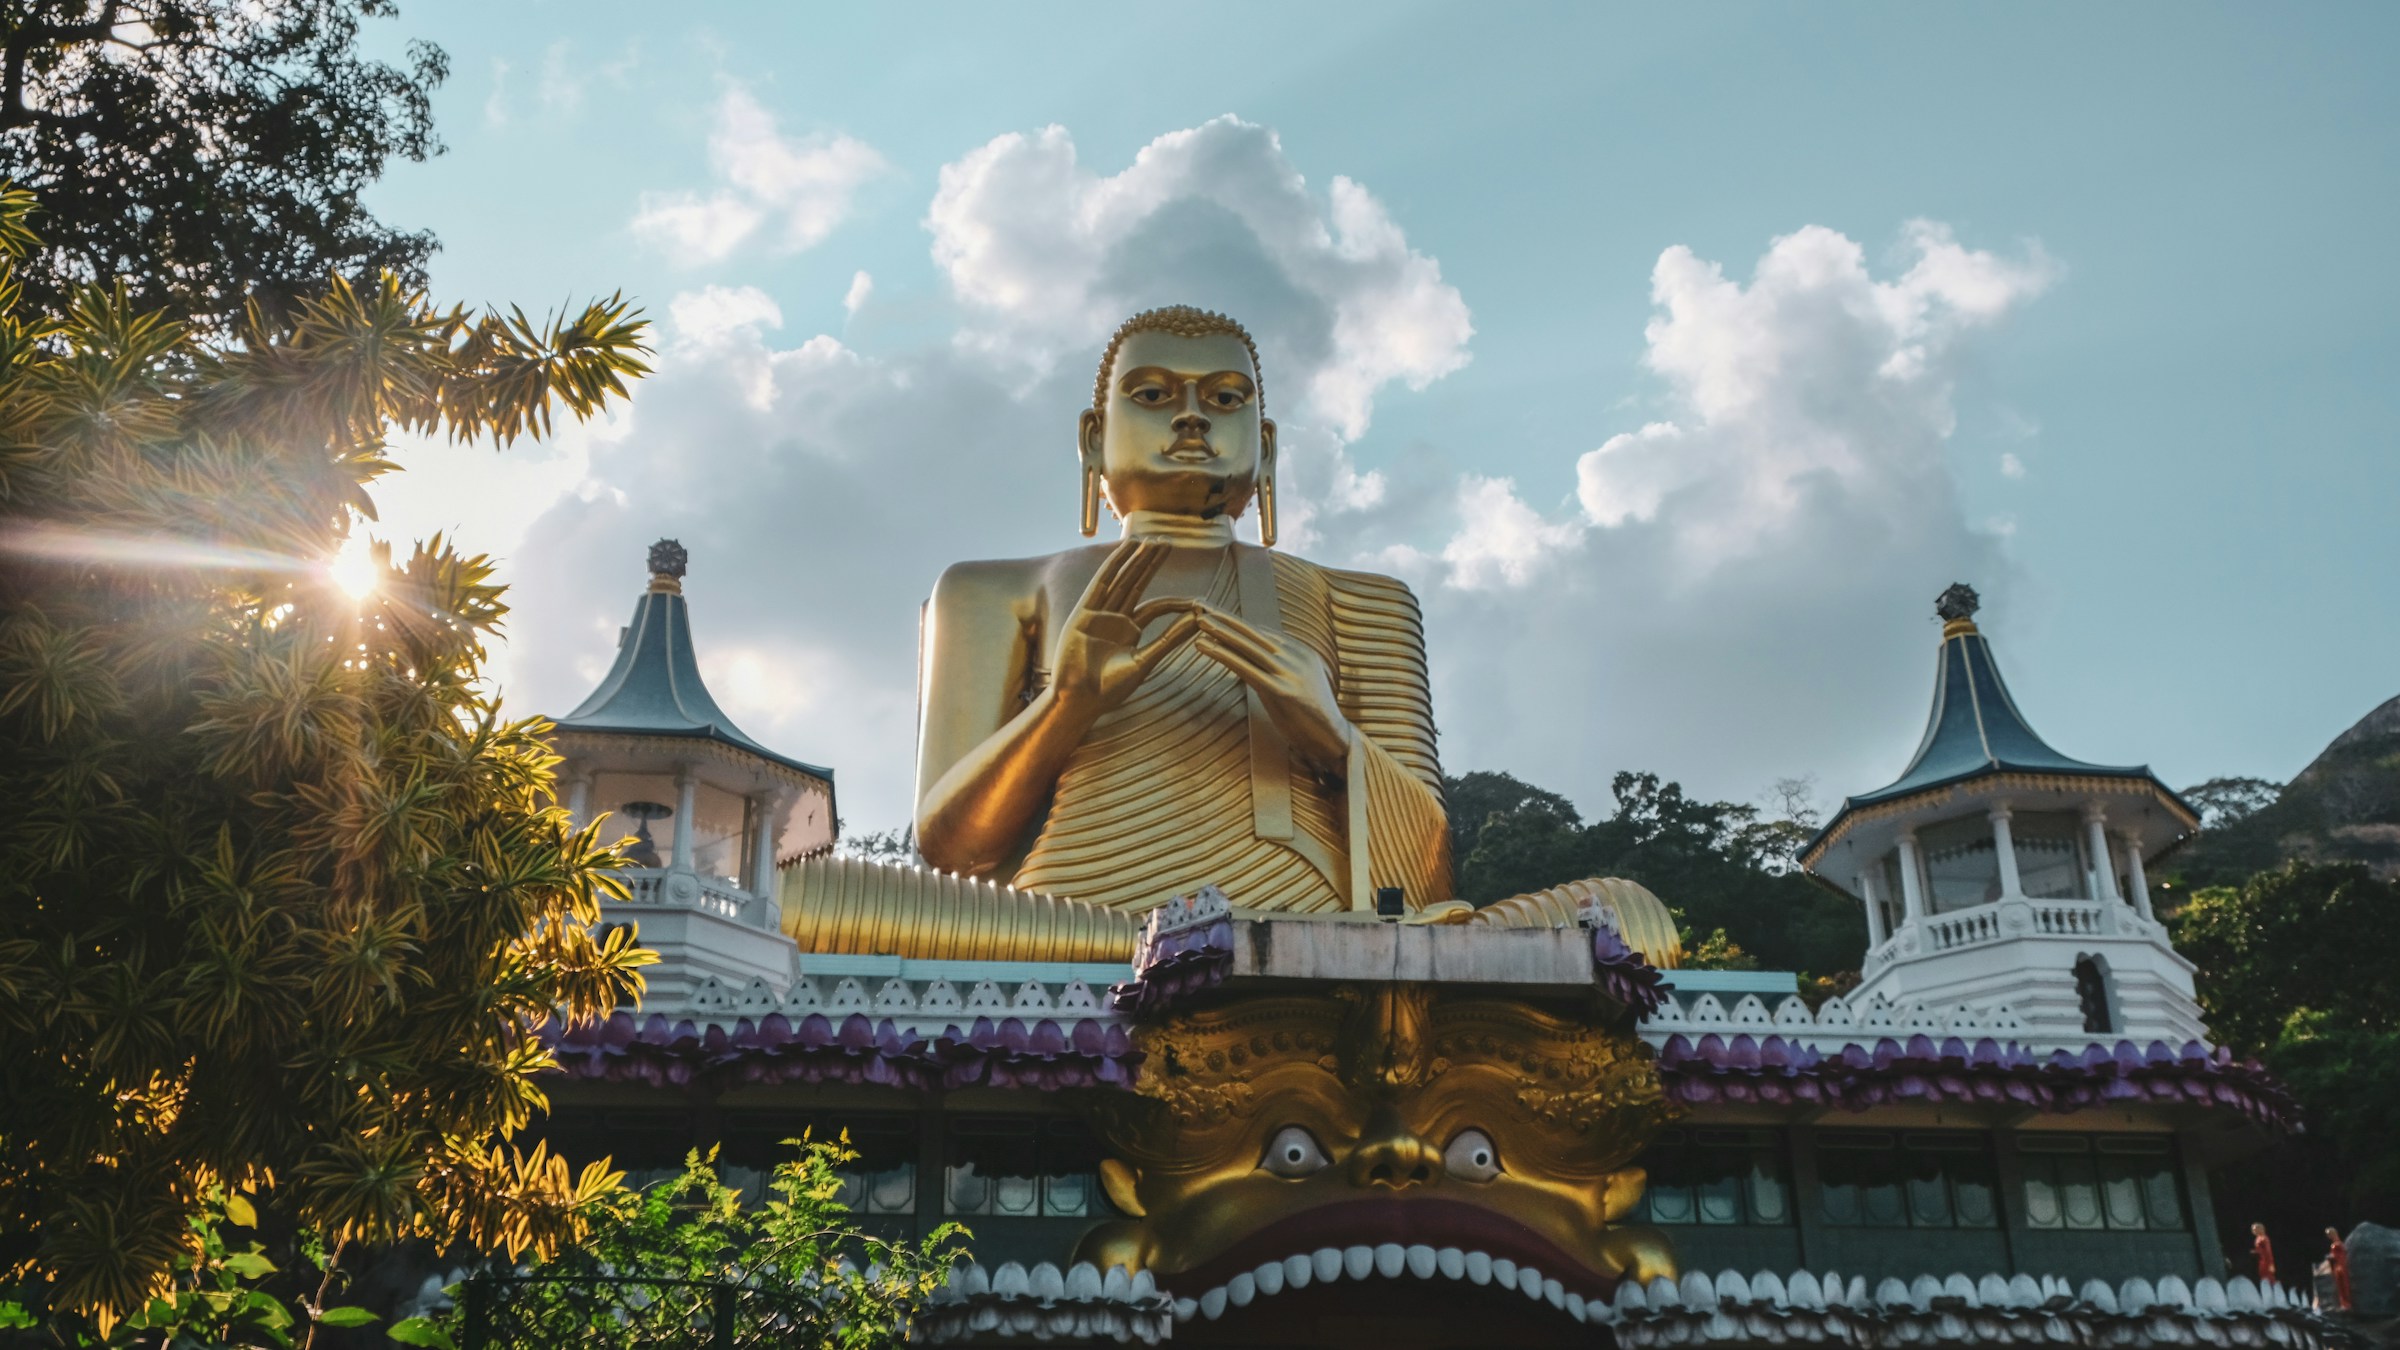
{"points": [[1225, 392], [1294, 1152], [1471, 1156], [1151, 387]]}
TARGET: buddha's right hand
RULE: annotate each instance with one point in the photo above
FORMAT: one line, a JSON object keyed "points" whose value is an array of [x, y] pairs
{"points": [[1101, 657]]}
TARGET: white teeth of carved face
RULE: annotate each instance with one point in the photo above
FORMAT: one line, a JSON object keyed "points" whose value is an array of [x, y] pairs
{"points": [[1390, 1261]]}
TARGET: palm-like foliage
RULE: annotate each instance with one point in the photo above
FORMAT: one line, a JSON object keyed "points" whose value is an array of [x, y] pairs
{"points": [[284, 894]]}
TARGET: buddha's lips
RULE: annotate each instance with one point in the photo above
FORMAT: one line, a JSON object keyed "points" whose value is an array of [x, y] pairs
{"points": [[1192, 451], [1433, 1223]]}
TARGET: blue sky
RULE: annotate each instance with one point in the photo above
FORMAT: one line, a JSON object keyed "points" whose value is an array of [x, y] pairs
{"points": [[2090, 306]]}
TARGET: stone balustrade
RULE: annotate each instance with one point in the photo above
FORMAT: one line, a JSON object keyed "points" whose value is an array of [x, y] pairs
{"points": [[659, 886]]}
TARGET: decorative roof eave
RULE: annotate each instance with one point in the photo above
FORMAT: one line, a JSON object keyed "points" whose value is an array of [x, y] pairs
{"points": [[1800, 1309], [1774, 1071], [1763, 1309], [1856, 812], [1080, 1303], [1043, 1054], [709, 741]]}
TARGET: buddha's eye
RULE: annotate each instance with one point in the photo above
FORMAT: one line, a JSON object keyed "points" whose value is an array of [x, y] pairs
{"points": [[1227, 398], [1150, 394], [1293, 1152], [1471, 1156]]}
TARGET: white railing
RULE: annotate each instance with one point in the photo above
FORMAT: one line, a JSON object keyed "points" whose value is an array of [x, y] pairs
{"points": [[1967, 928], [2051, 918], [2056, 920], [652, 886]]}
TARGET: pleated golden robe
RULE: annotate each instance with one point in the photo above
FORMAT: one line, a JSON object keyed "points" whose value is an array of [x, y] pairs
{"points": [[1189, 783]]}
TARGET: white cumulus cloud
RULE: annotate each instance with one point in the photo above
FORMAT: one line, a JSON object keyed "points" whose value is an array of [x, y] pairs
{"points": [[1731, 595], [796, 189], [1050, 255]]}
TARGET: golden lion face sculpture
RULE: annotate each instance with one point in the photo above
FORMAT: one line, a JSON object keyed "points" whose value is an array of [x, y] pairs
{"points": [[1275, 1127]]}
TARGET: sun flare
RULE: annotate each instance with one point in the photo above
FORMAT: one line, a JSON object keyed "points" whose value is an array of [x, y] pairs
{"points": [[353, 569]]}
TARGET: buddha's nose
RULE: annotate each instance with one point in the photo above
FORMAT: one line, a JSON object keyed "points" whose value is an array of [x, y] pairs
{"points": [[1191, 424], [1393, 1157]]}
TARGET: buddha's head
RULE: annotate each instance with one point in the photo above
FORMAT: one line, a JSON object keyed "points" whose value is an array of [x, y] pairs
{"points": [[1272, 1128], [1177, 423]]}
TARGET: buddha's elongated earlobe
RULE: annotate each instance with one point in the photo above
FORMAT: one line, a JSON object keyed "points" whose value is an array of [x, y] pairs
{"points": [[1087, 446], [1266, 483]]}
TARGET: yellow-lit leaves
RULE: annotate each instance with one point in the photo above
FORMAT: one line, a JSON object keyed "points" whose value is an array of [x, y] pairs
{"points": [[288, 891]]}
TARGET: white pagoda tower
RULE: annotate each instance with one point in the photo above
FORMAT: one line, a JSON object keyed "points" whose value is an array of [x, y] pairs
{"points": [[1996, 871], [714, 813]]}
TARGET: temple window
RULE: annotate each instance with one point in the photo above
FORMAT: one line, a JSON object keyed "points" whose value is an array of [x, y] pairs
{"points": [[2094, 1182], [1962, 868], [1022, 1167], [1716, 1177], [2050, 858], [1906, 1179]]}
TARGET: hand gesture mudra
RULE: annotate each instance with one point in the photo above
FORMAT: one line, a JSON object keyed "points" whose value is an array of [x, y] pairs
{"points": [[1290, 680], [1101, 656]]}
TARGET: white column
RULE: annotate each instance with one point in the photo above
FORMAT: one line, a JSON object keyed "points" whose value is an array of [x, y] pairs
{"points": [[2095, 842], [579, 797], [763, 806], [1866, 891], [686, 792], [2004, 842], [1912, 883], [2135, 874]]}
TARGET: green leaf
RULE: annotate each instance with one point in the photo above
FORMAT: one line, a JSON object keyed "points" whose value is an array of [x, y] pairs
{"points": [[239, 1212], [421, 1331], [250, 1265], [269, 1308], [345, 1317]]}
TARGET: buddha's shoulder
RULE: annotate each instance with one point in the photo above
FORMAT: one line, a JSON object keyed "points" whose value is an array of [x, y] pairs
{"points": [[1373, 590], [1015, 580]]}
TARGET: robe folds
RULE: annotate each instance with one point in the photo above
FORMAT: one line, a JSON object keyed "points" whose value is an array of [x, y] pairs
{"points": [[1189, 783]]}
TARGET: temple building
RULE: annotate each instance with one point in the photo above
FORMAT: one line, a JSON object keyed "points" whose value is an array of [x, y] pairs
{"points": [[2014, 1115]]}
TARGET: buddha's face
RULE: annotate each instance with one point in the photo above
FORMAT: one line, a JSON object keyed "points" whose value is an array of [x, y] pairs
{"points": [[1181, 432], [1281, 1127]]}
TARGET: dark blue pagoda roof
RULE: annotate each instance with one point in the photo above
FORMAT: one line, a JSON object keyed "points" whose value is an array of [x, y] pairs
{"points": [[1976, 729], [655, 688]]}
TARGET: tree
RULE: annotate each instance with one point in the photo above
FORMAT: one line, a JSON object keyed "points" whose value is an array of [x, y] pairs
{"points": [[208, 151], [221, 1296], [286, 898], [2229, 801], [2293, 968], [794, 1272], [885, 846], [1723, 869]]}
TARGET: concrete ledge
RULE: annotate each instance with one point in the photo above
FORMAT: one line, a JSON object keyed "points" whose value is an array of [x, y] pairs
{"points": [[1310, 949]]}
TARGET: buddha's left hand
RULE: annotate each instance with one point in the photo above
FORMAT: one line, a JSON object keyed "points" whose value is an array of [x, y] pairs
{"points": [[1290, 681]]}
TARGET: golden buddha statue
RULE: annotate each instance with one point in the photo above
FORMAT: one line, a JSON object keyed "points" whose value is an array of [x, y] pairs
{"points": [[1122, 722], [1107, 727]]}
